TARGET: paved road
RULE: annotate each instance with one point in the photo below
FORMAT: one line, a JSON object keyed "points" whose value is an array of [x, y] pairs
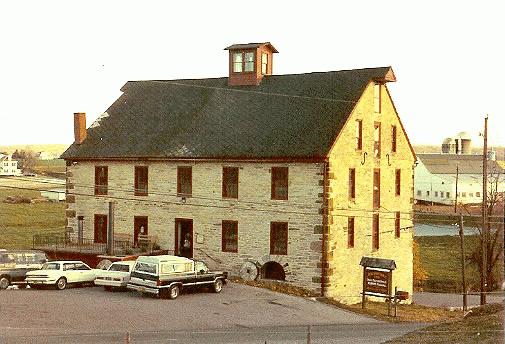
{"points": [[239, 314], [451, 300]]}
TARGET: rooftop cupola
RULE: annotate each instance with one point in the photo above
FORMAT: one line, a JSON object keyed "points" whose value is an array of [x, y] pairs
{"points": [[249, 63]]}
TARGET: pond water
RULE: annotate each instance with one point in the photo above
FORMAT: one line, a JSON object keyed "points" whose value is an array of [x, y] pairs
{"points": [[428, 229]]}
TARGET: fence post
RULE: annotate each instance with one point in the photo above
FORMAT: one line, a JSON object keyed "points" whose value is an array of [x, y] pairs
{"points": [[309, 339]]}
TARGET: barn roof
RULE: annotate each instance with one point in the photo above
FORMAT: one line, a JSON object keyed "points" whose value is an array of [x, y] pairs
{"points": [[438, 163]]}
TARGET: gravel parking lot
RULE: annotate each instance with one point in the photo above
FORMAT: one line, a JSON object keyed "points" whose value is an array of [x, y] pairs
{"points": [[238, 314], [92, 310]]}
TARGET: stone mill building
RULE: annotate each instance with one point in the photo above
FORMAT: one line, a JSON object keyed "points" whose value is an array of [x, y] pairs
{"points": [[299, 175]]}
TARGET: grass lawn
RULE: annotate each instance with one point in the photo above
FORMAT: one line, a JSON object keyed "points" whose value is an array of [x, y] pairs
{"points": [[441, 257], [18, 222], [50, 166], [483, 325]]}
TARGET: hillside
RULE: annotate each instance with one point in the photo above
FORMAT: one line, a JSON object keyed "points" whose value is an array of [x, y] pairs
{"points": [[49, 148]]}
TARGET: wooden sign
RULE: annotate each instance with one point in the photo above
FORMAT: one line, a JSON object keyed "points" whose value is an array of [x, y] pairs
{"points": [[377, 282]]}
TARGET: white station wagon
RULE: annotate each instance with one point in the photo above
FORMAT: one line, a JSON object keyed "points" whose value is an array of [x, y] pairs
{"points": [[60, 274], [117, 276]]}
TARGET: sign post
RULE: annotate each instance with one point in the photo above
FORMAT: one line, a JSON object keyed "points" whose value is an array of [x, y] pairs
{"points": [[377, 279]]}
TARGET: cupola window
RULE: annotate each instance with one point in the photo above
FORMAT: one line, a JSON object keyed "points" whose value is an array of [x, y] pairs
{"points": [[249, 62], [237, 62]]}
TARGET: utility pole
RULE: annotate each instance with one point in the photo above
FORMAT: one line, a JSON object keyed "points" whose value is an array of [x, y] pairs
{"points": [[463, 277], [483, 286], [456, 202]]}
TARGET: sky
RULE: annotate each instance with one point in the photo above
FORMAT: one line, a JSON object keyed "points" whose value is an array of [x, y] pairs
{"points": [[61, 57]]}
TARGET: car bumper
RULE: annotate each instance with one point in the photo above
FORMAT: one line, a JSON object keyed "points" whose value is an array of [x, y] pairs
{"points": [[143, 289], [48, 281], [108, 283]]}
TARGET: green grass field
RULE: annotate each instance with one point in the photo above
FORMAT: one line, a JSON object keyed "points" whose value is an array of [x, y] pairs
{"points": [[441, 257], [50, 166], [19, 222]]}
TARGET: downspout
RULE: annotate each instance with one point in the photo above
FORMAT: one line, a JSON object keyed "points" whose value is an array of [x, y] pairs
{"points": [[324, 241]]}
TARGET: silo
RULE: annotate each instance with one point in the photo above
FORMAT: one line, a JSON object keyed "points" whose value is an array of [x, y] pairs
{"points": [[449, 146], [464, 141]]}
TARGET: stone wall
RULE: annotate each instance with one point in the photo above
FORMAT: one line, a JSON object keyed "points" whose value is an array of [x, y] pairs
{"points": [[254, 210], [345, 275]]}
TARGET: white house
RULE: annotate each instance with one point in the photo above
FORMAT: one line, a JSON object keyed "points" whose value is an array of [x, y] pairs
{"points": [[8, 167], [435, 178]]}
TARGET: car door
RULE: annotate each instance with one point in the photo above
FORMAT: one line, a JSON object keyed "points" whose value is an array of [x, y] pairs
{"points": [[70, 273], [85, 273]]}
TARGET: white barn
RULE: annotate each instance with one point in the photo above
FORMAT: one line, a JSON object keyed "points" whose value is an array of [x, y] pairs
{"points": [[435, 178]]}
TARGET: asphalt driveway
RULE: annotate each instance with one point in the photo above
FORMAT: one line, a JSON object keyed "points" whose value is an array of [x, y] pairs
{"points": [[91, 313]]}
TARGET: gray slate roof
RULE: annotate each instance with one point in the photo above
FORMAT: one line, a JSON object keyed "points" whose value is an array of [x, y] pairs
{"points": [[438, 163], [295, 116]]}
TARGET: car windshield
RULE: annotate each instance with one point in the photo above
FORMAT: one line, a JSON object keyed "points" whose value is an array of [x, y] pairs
{"points": [[200, 266], [146, 267], [51, 266], [120, 267]]}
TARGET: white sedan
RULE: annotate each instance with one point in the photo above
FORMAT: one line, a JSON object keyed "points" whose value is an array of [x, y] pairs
{"points": [[60, 274], [117, 276]]}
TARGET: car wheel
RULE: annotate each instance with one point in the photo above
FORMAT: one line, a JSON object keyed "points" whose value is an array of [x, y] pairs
{"points": [[107, 288], [22, 286], [218, 286], [174, 292], [4, 282], [61, 283], [34, 286]]}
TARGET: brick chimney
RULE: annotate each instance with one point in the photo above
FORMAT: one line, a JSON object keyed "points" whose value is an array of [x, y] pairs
{"points": [[249, 63], [79, 127]]}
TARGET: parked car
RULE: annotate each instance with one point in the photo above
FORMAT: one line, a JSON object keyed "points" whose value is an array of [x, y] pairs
{"points": [[60, 274], [14, 264], [165, 276], [117, 276]]}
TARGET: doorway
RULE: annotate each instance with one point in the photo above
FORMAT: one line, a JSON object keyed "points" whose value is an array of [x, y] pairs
{"points": [[139, 227], [184, 237]]}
